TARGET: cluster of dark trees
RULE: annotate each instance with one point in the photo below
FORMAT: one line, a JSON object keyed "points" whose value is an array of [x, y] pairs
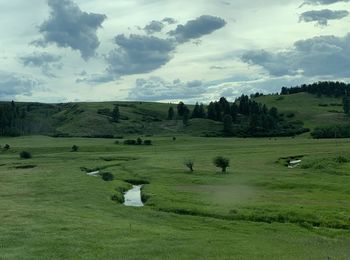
{"points": [[334, 131], [244, 117], [327, 88], [138, 141], [113, 114], [12, 119]]}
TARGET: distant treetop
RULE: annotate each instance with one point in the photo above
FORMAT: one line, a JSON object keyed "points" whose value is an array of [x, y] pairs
{"points": [[327, 88]]}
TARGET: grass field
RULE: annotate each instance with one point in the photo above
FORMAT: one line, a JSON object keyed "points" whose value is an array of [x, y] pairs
{"points": [[260, 209]]}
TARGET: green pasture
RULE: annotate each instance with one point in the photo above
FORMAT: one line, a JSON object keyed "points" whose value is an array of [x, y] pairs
{"points": [[260, 209]]}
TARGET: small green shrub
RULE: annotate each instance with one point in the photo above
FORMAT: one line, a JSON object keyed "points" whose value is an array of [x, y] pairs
{"points": [[6, 147], [290, 115], [25, 155], [75, 148], [118, 198], [107, 176], [147, 142], [144, 197], [25, 166], [139, 141], [189, 164], [341, 159], [136, 181], [130, 142]]}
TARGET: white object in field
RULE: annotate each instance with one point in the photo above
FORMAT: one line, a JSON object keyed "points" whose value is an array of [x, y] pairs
{"points": [[95, 174], [132, 197], [293, 164]]}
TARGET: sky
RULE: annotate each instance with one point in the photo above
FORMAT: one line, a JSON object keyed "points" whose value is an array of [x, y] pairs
{"points": [[167, 51]]}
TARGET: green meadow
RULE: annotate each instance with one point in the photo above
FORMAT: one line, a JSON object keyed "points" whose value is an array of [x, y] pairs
{"points": [[260, 209]]}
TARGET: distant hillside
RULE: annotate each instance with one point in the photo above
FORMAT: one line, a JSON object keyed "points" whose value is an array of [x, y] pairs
{"points": [[91, 120], [220, 118], [293, 112], [314, 111]]}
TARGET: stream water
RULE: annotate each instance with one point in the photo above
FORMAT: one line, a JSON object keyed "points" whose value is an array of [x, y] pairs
{"points": [[132, 197]]}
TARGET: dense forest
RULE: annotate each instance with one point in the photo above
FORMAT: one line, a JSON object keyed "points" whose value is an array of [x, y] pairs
{"points": [[327, 88], [11, 119], [244, 117]]}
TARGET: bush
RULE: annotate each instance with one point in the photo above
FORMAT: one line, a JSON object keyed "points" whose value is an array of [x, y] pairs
{"points": [[25, 155], [139, 141], [130, 142], [6, 147], [189, 164], [290, 115], [118, 198], [147, 142], [75, 148], [341, 159], [333, 131], [222, 163], [107, 176]]}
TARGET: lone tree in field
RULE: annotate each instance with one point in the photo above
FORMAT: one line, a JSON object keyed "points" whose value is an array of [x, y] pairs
{"points": [[228, 125], [75, 148], [25, 155], [222, 162], [346, 104], [171, 113], [189, 164], [115, 114]]}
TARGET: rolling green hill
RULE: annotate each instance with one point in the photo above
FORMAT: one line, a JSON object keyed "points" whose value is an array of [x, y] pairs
{"points": [[86, 119], [312, 110], [93, 119]]}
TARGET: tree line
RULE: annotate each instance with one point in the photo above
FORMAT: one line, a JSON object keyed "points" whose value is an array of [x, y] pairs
{"points": [[243, 117], [327, 88], [12, 119]]}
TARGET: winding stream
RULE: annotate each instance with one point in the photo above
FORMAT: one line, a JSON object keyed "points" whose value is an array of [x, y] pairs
{"points": [[132, 197]]}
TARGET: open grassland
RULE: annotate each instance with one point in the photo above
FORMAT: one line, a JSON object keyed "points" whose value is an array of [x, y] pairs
{"points": [[260, 209]]}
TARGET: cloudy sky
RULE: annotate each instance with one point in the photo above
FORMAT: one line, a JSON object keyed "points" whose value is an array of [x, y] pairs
{"points": [[163, 50]]}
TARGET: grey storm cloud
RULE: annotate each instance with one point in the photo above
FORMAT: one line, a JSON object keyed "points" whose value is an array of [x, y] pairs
{"points": [[169, 20], [322, 16], [157, 89], [318, 56], [139, 54], [68, 26], [153, 27], [197, 28], [324, 2], [12, 84], [45, 61]]}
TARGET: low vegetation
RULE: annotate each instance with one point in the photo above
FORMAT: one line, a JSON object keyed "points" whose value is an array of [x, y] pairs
{"points": [[25, 155], [221, 162]]}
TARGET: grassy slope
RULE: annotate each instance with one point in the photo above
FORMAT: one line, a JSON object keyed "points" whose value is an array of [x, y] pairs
{"points": [[56, 211], [306, 108], [82, 119]]}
